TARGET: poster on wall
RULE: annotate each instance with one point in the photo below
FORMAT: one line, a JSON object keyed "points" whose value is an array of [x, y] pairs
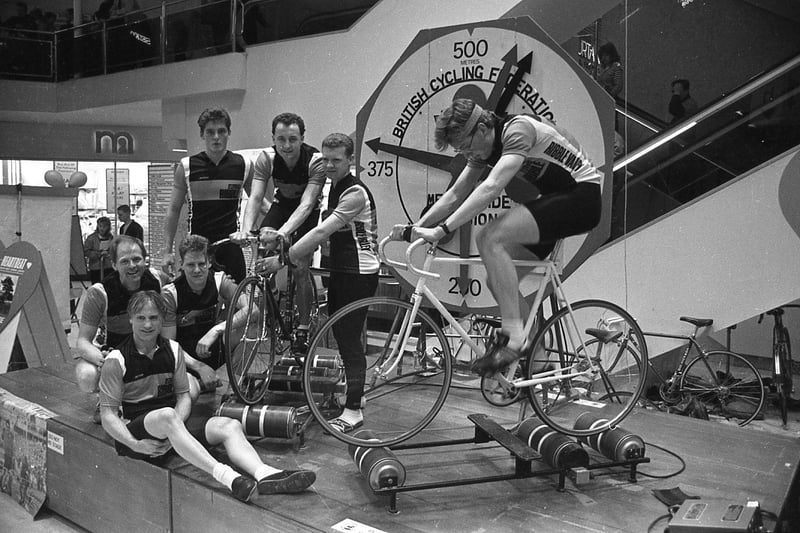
{"points": [[118, 188], [23, 451], [508, 66], [159, 192]]}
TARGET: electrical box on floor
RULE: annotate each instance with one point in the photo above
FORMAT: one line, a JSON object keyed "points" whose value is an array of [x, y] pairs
{"points": [[712, 516]]}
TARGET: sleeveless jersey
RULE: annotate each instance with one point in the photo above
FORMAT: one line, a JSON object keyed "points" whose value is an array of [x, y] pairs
{"points": [[290, 184], [354, 247], [141, 384], [214, 193], [546, 149], [194, 314]]}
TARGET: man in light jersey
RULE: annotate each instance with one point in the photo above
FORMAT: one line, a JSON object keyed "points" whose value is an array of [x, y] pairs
{"points": [[211, 183], [351, 224], [515, 147], [295, 171]]}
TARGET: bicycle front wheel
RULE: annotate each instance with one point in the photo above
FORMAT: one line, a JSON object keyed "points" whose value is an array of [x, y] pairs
{"points": [[251, 349], [726, 383], [575, 373], [408, 369]]}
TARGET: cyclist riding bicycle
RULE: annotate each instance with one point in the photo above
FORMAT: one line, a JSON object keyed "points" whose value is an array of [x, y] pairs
{"points": [[515, 147]]}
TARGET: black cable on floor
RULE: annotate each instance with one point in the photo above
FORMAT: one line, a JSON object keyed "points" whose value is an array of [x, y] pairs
{"points": [[657, 520], [675, 455]]}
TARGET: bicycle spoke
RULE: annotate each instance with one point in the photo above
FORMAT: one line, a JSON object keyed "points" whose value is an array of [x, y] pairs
{"points": [[586, 374], [405, 381]]}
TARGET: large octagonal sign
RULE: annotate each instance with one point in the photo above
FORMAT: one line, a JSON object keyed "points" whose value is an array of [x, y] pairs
{"points": [[509, 66]]}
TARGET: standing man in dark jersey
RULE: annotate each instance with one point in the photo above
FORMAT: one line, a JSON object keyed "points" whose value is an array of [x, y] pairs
{"points": [[351, 224], [298, 176], [211, 183]]}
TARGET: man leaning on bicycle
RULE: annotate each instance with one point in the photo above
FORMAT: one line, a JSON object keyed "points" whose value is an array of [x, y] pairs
{"points": [[513, 147]]}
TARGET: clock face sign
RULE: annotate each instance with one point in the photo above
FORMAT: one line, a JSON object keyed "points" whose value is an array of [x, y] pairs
{"points": [[508, 66]]}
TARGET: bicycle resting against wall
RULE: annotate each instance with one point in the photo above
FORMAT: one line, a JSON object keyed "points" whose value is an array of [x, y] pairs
{"points": [[726, 383], [253, 349], [572, 364], [782, 382]]}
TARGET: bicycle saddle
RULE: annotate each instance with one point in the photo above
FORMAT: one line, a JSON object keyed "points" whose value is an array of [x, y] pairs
{"points": [[699, 322], [603, 335]]}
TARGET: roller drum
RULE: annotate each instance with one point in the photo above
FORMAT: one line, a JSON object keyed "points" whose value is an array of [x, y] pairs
{"points": [[277, 421], [379, 466], [556, 449], [617, 444]]}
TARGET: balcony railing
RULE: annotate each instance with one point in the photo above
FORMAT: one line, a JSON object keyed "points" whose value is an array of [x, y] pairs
{"points": [[173, 31]]}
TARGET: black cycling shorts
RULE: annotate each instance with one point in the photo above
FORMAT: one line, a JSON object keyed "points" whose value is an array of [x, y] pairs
{"points": [[279, 213], [569, 211]]}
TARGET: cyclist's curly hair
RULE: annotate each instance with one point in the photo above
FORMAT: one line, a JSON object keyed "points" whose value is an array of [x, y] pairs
{"points": [[193, 243], [450, 125]]}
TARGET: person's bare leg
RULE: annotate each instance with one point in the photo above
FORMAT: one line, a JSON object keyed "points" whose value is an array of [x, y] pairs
{"points": [[495, 243]]}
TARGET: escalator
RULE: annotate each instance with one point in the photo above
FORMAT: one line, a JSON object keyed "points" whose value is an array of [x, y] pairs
{"points": [[706, 213], [668, 166]]}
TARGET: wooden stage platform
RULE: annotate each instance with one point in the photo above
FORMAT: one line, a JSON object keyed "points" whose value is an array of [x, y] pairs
{"points": [[90, 485]]}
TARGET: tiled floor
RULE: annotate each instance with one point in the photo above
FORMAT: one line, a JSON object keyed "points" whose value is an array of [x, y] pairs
{"points": [[13, 518]]}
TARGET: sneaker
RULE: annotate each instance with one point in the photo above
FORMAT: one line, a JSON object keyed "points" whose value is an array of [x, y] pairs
{"points": [[300, 342], [243, 488], [287, 482], [498, 356]]}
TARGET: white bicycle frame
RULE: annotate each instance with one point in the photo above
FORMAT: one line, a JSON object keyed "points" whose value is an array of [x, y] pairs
{"points": [[549, 271]]}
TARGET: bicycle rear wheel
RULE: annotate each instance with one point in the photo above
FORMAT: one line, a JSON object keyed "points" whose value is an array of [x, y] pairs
{"points": [[726, 383], [408, 370], [251, 349], [783, 374], [563, 348]]}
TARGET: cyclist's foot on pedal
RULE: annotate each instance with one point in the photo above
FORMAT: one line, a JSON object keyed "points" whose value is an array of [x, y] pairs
{"points": [[349, 420], [498, 356], [300, 342]]}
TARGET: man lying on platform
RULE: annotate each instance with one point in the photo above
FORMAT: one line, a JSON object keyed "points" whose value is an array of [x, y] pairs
{"points": [[146, 376]]}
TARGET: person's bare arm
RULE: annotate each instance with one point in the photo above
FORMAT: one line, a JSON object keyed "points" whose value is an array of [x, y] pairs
{"points": [[176, 202]]}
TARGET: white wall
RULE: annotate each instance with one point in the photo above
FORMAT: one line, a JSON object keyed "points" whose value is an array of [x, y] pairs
{"points": [[729, 255]]}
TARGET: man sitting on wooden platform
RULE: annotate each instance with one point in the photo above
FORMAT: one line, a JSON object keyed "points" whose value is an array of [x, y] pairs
{"points": [[146, 376]]}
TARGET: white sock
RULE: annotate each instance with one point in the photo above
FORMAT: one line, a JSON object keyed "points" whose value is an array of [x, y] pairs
{"points": [[303, 326], [224, 474], [515, 331], [264, 471], [352, 416]]}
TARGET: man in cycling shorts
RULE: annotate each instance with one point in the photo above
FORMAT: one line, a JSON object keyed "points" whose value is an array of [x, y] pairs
{"points": [[514, 147], [211, 184], [296, 172]]}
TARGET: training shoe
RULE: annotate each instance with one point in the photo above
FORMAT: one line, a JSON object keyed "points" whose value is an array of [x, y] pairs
{"points": [[498, 356], [243, 488], [286, 482], [300, 342], [343, 426]]}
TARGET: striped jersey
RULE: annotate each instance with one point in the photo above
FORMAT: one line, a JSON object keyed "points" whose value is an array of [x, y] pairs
{"points": [[141, 383], [541, 144], [290, 183], [214, 193], [354, 247]]}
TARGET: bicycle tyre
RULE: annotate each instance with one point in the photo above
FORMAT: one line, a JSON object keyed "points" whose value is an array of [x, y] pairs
{"points": [[719, 378], [251, 349], [398, 405], [612, 392]]}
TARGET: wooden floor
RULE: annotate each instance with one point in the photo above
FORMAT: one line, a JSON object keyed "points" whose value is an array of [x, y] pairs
{"points": [[93, 487]]}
